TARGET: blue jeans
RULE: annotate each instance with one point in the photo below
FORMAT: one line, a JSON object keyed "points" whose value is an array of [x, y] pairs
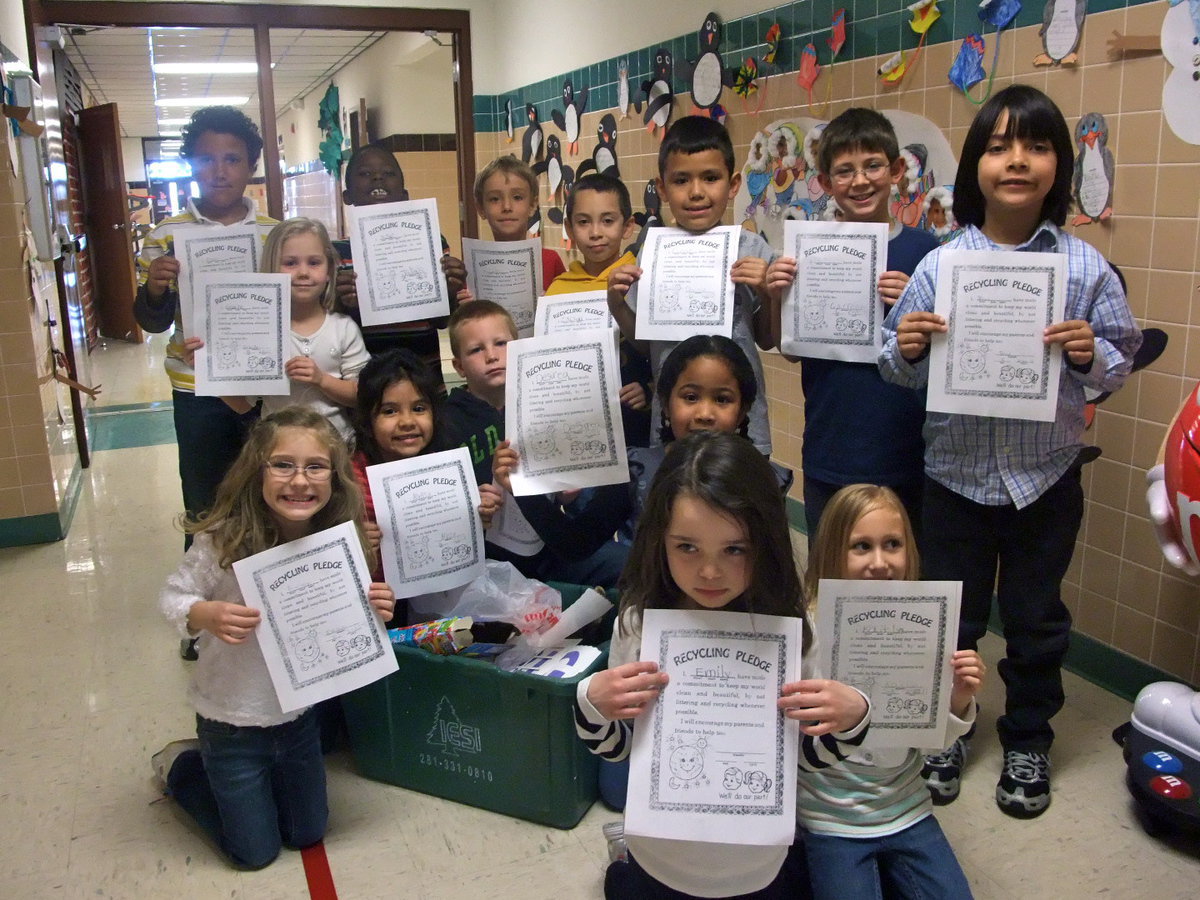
{"points": [[916, 864], [253, 790]]}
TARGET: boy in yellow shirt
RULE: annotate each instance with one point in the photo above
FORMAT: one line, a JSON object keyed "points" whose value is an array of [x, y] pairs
{"points": [[599, 220]]}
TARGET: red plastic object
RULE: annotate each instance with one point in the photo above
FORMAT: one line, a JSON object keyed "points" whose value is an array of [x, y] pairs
{"points": [[1182, 464]]}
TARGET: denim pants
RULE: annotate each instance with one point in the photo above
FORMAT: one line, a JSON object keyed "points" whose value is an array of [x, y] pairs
{"points": [[253, 790], [1030, 550], [915, 864]]}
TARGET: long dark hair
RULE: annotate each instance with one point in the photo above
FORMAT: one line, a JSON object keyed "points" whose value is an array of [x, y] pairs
{"points": [[729, 474], [719, 347], [384, 370], [1031, 114]]}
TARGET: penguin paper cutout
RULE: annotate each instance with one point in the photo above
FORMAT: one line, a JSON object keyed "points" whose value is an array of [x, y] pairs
{"points": [[1062, 27], [534, 227], [1181, 92], [557, 214], [568, 120], [657, 93], [623, 88], [650, 217], [508, 121], [604, 156], [532, 143], [553, 166], [707, 75], [1092, 183]]}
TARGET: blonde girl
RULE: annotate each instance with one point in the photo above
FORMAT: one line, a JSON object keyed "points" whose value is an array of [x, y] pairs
{"points": [[327, 347], [254, 779], [869, 823]]}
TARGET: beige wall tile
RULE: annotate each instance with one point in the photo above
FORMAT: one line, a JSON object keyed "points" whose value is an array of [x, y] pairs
{"points": [[1191, 359], [1095, 616], [12, 505], [1133, 136], [1141, 83], [1173, 650], [1133, 190], [1141, 546], [34, 469], [1169, 298], [1179, 603], [1064, 86], [1133, 632], [1159, 396], [39, 499], [1138, 589], [1174, 245], [1110, 481], [1131, 238], [1178, 191], [1100, 572], [1105, 530], [1173, 357], [1174, 150]]}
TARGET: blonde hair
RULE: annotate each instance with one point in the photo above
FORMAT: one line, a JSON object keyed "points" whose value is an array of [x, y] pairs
{"points": [[284, 231], [506, 165], [240, 522], [843, 512], [471, 312]]}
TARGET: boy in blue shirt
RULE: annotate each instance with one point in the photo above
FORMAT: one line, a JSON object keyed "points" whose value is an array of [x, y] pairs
{"points": [[857, 427], [697, 180]]}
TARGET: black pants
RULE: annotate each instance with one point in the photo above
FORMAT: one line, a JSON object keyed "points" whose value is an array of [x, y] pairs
{"points": [[1030, 549], [817, 495]]}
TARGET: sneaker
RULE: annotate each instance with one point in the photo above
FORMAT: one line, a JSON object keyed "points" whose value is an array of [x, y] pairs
{"points": [[162, 761], [1024, 787], [187, 649], [943, 772]]}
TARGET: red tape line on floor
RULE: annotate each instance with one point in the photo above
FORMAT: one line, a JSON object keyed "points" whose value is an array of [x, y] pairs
{"points": [[316, 871]]}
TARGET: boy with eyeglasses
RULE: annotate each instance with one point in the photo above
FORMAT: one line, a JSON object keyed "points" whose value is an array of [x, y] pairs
{"points": [[858, 428]]}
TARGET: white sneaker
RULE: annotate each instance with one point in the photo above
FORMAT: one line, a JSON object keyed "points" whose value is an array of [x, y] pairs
{"points": [[162, 761]]}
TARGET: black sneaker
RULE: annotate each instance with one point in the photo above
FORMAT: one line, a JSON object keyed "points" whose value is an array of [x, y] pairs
{"points": [[1024, 787], [943, 772], [187, 649]]}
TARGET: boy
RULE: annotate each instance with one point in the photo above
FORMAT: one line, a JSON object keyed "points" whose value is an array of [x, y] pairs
{"points": [[696, 178], [374, 176], [506, 194], [222, 145], [857, 427], [599, 220], [479, 335]]}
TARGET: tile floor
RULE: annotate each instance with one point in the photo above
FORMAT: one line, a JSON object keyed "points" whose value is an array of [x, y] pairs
{"points": [[92, 685]]}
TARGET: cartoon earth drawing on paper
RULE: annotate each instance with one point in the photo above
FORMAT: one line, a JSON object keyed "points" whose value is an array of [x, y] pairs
{"points": [[973, 360], [686, 762], [780, 173], [1181, 92], [307, 650]]}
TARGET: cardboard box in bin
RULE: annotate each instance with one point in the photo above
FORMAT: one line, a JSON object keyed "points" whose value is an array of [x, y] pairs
{"points": [[464, 730]]}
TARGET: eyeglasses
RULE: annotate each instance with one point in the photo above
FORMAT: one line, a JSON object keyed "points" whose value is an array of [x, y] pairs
{"points": [[286, 471], [873, 170]]}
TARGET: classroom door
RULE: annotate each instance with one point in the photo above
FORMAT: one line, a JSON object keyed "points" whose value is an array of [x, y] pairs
{"points": [[106, 216]]}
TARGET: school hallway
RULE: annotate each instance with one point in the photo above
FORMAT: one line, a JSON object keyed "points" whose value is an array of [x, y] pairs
{"points": [[93, 685]]}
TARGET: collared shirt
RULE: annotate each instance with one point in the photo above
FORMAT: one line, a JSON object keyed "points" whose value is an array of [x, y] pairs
{"points": [[996, 461]]}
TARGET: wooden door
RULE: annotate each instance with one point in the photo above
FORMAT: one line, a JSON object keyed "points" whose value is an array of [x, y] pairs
{"points": [[107, 222]]}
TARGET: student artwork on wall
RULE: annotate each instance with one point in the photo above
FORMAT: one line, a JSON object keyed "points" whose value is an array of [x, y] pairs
{"points": [[553, 167], [780, 173], [1181, 92], [810, 69], [939, 213], [746, 81], [1062, 26], [532, 142], [508, 121], [623, 89], [924, 14], [657, 93], [568, 118], [707, 75], [651, 214], [1092, 183], [967, 68], [604, 155]]}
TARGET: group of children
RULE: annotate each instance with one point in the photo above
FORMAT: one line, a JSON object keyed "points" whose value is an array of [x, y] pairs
{"points": [[702, 523]]}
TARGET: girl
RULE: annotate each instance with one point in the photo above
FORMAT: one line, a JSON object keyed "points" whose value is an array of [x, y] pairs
{"points": [[869, 822], [398, 416], [1002, 497], [255, 780], [693, 550], [706, 384], [328, 346]]}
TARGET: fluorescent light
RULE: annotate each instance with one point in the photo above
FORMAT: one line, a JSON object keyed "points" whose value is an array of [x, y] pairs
{"points": [[172, 133], [210, 68], [201, 101], [162, 122]]}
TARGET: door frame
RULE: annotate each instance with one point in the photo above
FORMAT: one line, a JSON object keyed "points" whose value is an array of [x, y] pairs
{"points": [[260, 18]]}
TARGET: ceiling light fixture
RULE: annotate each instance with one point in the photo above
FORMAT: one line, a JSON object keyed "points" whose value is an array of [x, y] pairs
{"points": [[201, 101], [211, 68]]}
